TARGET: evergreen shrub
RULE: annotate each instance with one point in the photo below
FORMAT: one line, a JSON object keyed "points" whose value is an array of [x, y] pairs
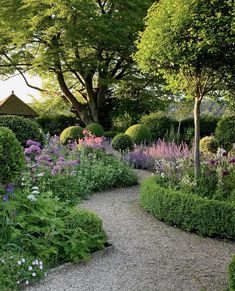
{"points": [[11, 156], [123, 142], [225, 132], [71, 134], [139, 133], [158, 123], [23, 128], [188, 211], [96, 129]]}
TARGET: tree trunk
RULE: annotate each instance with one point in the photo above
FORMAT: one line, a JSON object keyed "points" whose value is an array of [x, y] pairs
{"points": [[197, 138]]}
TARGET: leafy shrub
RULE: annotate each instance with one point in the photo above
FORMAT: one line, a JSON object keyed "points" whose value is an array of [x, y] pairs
{"points": [[139, 133], [188, 211], [225, 131], [54, 125], [208, 125], [208, 144], [23, 128], [123, 121], [122, 142], [158, 123], [11, 156], [95, 128], [110, 134], [71, 134], [231, 272]]}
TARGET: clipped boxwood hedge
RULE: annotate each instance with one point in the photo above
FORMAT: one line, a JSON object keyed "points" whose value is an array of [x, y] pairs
{"points": [[139, 133], [188, 211], [95, 128], [231, 274]]}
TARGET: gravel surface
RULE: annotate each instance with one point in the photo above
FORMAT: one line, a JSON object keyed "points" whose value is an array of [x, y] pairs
{"points": [[148, 254]]}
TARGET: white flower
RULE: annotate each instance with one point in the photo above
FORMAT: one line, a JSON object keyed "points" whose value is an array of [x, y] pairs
{"points": [[33, 263], [32, 197], [35, 188], [30, 268], [35, 192], [41, 267], [162, 175], [36, 262], [45, 274], [19, 262], [40, 174], [40, 263], [23, 260], [18, 282], [26, 282], [2, 261], [34, 274]]}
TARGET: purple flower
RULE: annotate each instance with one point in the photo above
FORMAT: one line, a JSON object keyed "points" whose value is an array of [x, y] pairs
{"points": [[33, 142], [5, 198], [213, 162], [225, 173], [9, 188], [232, 161], [33, 149]]}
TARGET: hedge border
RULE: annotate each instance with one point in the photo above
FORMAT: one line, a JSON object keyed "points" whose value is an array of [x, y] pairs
{"points": [[188, 211], [231, 273]]}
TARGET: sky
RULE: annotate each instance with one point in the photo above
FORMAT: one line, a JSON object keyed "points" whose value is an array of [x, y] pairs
{"points": [[21, 90]]}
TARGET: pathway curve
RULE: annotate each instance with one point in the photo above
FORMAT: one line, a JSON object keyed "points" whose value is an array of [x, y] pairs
{"points": [[149, 255]]}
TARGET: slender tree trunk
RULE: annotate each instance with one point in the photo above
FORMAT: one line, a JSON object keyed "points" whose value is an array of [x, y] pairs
{"points": [[197, 138]]}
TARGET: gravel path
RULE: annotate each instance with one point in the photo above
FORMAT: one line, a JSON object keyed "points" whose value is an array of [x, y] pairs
{"points": [[148, 255]]}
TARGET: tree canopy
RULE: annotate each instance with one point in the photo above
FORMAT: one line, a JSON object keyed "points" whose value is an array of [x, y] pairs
{"points": [[192, 43], [86, 44]]}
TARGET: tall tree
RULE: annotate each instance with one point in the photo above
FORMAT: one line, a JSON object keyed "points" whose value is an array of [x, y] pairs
{"points": [[192, 43], [89, 42]]}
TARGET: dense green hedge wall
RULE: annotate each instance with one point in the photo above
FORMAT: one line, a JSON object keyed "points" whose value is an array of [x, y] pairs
{"points": [[231, 273], [54, 125], [225, 131], [189, 212]]}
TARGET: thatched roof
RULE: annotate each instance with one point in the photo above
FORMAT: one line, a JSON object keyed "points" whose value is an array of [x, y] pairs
{"points": [[12, 105]]}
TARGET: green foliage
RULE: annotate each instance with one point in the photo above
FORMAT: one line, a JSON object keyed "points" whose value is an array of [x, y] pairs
{"points": [[123, 121], [23, 128], [225, 131], [95, 129], [122, 142], [158, 123], [110, 134], [187, 211], [139, 133], [55, 124], [231, 272], [71, 134], [11, 156], [208, 144]]}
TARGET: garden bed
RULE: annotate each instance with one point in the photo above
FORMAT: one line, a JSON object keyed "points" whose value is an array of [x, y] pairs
{"points": [[189, 211]]}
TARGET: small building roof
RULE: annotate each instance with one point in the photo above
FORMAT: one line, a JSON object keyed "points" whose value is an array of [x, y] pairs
{"points": [[13, 105]]}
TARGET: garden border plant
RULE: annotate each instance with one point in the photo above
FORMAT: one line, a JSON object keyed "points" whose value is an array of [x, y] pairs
{"points": [[188, 211], [231, 273]]}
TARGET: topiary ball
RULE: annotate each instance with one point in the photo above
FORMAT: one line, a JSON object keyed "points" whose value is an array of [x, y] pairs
{"points": [[208, 144], [122, 142], [95, 128], [225, 132], [139, 133], [11, 156], [158, 123], [23, 128], [71, 134]]}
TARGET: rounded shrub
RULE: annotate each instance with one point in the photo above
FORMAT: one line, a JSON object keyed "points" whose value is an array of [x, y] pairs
{"points": [[139, 133], [122, 142], [188, 211], [71, 134], [23, 128], [110, 134], [225, 131], [208, 144], [96, 129], [158, 123], [11, 156]]}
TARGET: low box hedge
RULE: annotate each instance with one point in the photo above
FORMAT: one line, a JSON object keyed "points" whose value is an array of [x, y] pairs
{"points": [[188, 211], [231, 273]]}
